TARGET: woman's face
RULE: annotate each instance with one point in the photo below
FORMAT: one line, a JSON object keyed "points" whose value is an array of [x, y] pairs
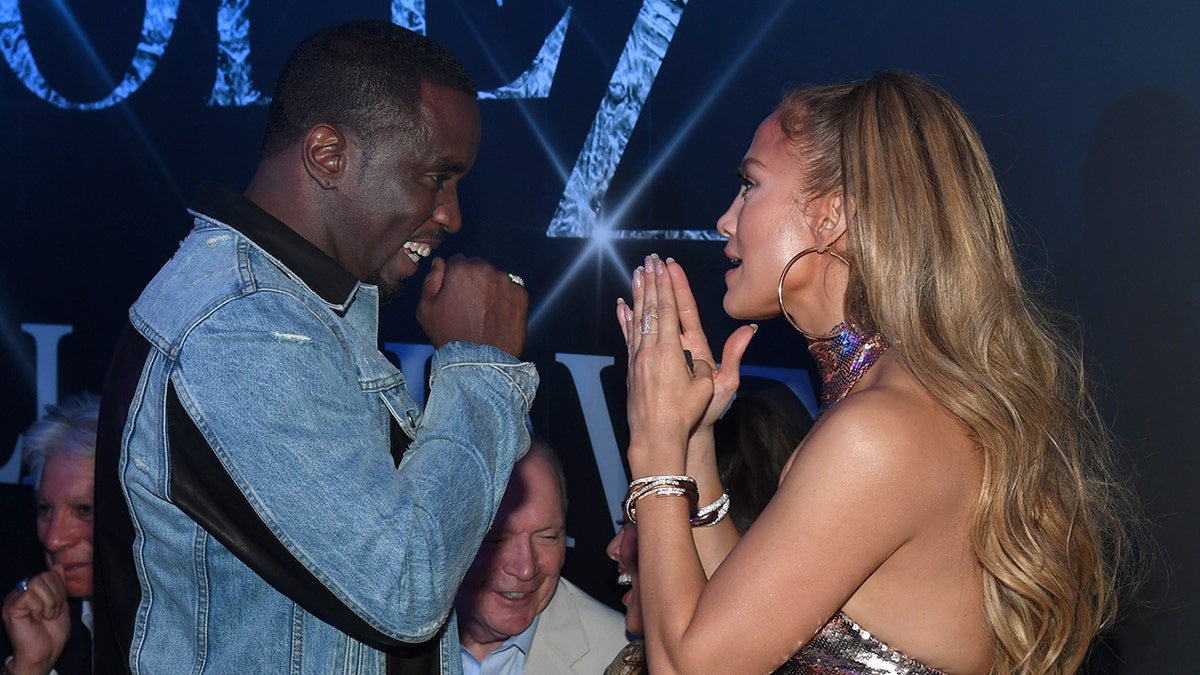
{"points": [[623, 549], [765, 226]]}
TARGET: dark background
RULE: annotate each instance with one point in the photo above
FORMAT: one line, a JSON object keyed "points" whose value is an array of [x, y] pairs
{"points": [[1089, 111]]}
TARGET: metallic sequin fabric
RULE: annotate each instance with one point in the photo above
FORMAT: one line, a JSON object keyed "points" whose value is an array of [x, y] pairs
{"points": [[843, 358], [842, 647]]}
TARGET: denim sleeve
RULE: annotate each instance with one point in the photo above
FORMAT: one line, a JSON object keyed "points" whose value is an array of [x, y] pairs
{"points": [[300, 420]]}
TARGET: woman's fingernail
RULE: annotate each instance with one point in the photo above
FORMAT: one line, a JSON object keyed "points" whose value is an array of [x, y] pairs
{"points": [[637, 277], [754, 326]]}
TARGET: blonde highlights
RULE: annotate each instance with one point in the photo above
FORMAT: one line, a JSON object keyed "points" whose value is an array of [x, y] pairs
{"points": [[933, 270]]}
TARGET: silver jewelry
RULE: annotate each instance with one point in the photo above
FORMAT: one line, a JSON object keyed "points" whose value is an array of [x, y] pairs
{"points": [[646, 322], [710, 515], [516, 279], [22, 584], [665, 486]]}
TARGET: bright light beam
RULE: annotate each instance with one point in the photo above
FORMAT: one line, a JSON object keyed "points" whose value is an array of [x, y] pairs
{"points": [[596, 247], [601, 240], [102, 72], [673, 144], [551, 153]]}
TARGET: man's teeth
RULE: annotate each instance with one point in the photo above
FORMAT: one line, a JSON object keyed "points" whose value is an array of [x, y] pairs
{"points": [[624, 579], [512, 596], [417, 250]]}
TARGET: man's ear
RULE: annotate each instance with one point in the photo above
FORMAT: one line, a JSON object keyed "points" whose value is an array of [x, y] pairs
{"points": [[326, 154]]}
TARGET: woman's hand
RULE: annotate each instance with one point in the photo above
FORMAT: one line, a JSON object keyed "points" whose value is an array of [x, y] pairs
{"points": [[666, 399], [726, 377]]}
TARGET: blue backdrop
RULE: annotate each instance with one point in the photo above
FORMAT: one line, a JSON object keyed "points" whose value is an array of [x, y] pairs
{"points": [[613, 128]]}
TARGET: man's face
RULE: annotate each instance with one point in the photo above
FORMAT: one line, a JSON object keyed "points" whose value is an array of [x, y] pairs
{"points": [[400, 197], [64, 519], [516, 571]]}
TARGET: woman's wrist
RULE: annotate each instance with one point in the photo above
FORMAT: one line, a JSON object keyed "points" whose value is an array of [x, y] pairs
{"points": [[655, 459]]}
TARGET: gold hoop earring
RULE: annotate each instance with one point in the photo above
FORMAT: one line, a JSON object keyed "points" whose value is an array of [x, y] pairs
{"points": [[787, 268]]}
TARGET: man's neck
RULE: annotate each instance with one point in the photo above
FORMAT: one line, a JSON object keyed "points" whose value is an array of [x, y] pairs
{"points": [[481, 648], [478, 649]]}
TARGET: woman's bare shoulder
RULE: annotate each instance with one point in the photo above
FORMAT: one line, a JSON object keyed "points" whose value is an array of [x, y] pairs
{"points": [[893, 429]]}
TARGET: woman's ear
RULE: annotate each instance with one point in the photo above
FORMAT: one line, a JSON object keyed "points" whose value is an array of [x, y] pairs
{"points": [[832, 218], [326, 155]]}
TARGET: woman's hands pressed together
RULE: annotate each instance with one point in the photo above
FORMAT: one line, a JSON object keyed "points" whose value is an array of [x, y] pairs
{"points": [[666, 400]]}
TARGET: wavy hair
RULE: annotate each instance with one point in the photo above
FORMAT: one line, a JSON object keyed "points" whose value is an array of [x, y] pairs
{"points": [[933, 270], [68, 429]]}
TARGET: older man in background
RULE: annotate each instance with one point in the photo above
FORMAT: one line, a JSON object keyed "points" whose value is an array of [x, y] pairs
{"points": [[516, 614], [47, 617]]}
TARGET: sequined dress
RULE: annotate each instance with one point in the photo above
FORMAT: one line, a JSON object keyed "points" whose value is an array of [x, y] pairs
{"points": [[841, 647]]}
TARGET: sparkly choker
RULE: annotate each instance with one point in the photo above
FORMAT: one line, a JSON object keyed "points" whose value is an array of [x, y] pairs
{"points": [[843, 358]]}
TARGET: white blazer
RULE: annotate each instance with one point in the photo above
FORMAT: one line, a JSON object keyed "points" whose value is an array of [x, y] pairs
{"points": [[576, 635]]}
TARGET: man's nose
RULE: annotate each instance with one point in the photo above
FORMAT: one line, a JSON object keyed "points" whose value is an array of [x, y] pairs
{"points": [[447, 213], [62, 533], [520, 560]]}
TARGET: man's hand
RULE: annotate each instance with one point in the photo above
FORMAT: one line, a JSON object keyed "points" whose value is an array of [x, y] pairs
{"points": [[37, 622], [471, 301]]}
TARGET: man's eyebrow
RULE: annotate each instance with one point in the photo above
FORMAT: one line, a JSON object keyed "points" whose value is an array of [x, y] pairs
{"points": [[449, 164]]}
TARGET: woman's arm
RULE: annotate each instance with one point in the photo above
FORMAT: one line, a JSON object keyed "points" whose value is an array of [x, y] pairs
{"points": [[844, 508], [712, 543]]}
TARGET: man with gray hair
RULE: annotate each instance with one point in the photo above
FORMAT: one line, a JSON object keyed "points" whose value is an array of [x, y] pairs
{"points": [[45, 615], [516, 614]]}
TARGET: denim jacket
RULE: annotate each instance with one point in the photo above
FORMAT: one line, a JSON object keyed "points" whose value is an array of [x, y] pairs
{"points": [[283, 538]]}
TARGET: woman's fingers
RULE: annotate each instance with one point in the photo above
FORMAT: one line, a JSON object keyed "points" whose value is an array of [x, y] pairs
{"points": [[735, 346], [692, 332], [625, 321], [649, 317]]}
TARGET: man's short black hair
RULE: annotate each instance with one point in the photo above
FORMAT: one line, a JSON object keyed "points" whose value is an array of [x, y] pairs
{"points": [[363, 74]]}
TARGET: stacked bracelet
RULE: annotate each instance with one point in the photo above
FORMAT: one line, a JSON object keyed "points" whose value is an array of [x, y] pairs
{"points": [[713, 513], [675, 486], [663, 486]]}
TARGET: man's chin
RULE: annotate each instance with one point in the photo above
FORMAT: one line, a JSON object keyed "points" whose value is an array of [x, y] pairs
{"points": [[387, 289]]}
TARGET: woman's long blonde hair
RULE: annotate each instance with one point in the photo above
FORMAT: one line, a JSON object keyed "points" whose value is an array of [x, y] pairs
{"points": [[933, 269]]}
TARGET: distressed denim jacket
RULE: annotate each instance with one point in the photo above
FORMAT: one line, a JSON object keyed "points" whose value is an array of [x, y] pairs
{"points": [[317, 550]]}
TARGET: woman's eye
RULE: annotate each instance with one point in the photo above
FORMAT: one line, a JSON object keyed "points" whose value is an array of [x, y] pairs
{"points": [[745, 182]]}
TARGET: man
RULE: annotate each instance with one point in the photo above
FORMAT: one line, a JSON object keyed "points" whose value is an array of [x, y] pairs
{"points": [[515, 613], [48, 617], [278, 520]]}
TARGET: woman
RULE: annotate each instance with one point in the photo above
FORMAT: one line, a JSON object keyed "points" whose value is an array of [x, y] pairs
{"points": [[951, 509]]}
